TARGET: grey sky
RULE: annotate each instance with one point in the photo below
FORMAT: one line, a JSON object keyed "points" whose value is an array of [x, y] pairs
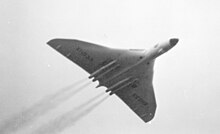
{"points": [[186, 79]]}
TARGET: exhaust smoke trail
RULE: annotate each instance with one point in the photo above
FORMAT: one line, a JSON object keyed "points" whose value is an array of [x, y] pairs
{"points": [[48, 103], [69, 118]]}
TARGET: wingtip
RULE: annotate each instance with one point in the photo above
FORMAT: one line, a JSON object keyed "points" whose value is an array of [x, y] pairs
{"points": [[59, 41], [52, 41]]}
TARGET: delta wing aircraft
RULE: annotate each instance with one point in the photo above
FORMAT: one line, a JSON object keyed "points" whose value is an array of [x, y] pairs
{"points": [[126, 73]]}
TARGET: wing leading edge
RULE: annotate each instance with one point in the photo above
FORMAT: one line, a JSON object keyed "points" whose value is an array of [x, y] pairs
{"points": [[122, 72]]}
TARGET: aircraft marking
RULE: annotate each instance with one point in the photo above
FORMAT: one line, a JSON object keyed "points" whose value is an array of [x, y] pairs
{"points": [[68, 55], [58, 47], [139, 99], [84, 54], [144, 115]]}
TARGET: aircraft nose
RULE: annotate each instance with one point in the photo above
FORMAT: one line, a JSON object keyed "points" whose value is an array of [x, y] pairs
{"points": [[174, 41]]}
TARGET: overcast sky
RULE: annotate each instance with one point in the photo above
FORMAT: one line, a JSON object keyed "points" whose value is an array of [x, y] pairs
{"points": [[186, 79]]}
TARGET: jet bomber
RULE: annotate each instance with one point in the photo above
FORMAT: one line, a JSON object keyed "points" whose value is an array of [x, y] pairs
{"points": [[127, 73]]}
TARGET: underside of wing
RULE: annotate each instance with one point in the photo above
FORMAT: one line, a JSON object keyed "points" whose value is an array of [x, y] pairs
{"points": [[141, 101], [97, 60], [89, 56], [139, 96]]}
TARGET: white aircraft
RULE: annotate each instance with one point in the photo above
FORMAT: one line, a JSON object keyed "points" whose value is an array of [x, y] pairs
{"points": [[126, 73]]}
